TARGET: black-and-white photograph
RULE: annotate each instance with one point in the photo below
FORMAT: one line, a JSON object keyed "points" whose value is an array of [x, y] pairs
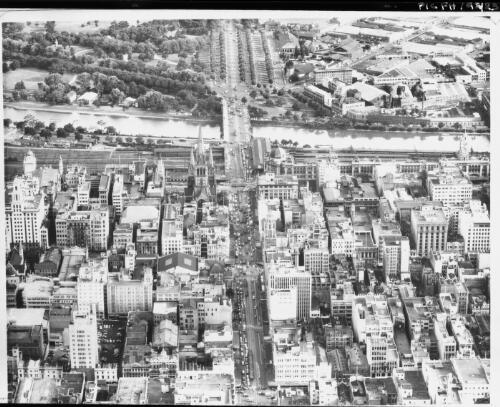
{"points": [[277, 209]]}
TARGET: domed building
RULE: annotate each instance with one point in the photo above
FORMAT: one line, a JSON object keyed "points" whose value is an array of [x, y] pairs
{"points": [[279, 155]]}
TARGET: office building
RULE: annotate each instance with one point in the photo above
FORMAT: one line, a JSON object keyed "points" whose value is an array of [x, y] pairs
{"points": [[84, 345], [25, 212], [429, 230], [395, 257], [125, 294], [288, 276], [474, 227]]}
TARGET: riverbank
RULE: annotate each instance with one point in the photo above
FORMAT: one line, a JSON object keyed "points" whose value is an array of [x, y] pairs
{"points": [[325, 127], [110, 111], [134, 124]]}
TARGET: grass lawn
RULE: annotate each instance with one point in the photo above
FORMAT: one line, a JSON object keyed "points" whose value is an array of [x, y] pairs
{"points": [[69, 26], [30, 77], [172, 60], [76, 26]]}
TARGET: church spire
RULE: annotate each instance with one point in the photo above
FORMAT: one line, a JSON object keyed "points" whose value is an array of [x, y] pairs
{"points": [[61, 166], [192, 160], [201, 147], [465, 147], [210, 156]]}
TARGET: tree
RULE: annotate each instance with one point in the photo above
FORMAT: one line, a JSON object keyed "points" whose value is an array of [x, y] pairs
{"points": [[181, 65], [61, 133], [139, 140], [119, 140], [296, 106], [110, 130], [19, 86], [243, 100], [14, 65], [116, 96], [5, 67], [20, 125], [7, 122], [68, 128], [78, 136], [45, 133], [50, 27], [129, 140], [52, 126], [294, 77], [441, 125], [29, 131]]}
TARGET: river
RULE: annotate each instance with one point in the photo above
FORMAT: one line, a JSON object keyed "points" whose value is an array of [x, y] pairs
{"points": [[339, 139], [373, 140], [129, 125]]}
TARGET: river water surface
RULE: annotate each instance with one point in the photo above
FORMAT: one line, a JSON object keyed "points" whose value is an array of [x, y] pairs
{"points": [[339, 139]]}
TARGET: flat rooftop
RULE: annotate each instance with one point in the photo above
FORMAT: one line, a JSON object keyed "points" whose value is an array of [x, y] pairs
{"points": [[471, 370]]}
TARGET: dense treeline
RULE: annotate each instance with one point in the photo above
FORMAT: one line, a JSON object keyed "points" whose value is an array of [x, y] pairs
{"points": [[165, 81], [159, 87], [119, 39]]}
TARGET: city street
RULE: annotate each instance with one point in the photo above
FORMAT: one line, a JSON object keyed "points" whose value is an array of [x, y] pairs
{"points": [[235, 115]]}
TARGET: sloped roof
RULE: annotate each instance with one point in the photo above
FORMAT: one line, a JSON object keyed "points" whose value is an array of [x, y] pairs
{"points": [[178, 259], [368, 92]]}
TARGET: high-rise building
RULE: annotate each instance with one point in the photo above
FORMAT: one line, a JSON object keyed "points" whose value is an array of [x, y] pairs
{"points": [[298, 361], [474, 227], [122, 236], [395, 256], [382, 355], [84, 344], [446, 344], [84, 229], [91, 285], [172, 231], [282, 305], [125, 294], [83, 193], [117, 195], [371, 317], [271, 186], [284, 277], [449, 186], [25, 212], [317, 262], [104, 189], [429, 230]]}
